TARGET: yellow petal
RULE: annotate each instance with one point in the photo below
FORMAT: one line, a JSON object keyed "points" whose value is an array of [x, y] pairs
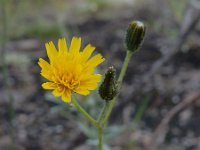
{"points": [[88, 50], [66, 96], [75, 45], [77, 69], [51, 51], [62, 46], [90, 78], [47, 76], [43, 64], [58, 92], [82, 91], [93, 62], [90, 83], [96, 60], [91, 86], [96, 78], [49, 85], [46, 68]]}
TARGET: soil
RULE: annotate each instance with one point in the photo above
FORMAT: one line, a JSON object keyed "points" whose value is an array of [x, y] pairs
{"points": [[39, 125]]}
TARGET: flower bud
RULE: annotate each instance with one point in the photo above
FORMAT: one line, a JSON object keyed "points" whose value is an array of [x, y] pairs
{"points": [[108, 88], [135, 35]]}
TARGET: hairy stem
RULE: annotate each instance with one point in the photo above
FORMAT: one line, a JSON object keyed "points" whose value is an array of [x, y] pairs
{"points": [[120, 79], [101, 128], [84, 113], [103, 112], [100, 137]]}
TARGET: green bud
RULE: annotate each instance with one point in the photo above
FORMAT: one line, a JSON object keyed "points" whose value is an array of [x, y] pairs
{"points": [[135, 35], [108, 89]]}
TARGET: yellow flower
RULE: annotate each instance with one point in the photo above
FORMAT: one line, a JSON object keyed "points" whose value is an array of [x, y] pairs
{"points": [[69, 69]]}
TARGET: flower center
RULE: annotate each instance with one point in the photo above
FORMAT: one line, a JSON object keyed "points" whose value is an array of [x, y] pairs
{"points": [[73, 84], [70, 82]]}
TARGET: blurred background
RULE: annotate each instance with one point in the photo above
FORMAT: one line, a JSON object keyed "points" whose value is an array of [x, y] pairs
{"points": [[158, 107]]}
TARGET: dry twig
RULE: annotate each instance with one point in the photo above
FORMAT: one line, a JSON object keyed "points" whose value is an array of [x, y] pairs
{"points": [[160, 132], [191, 19]]}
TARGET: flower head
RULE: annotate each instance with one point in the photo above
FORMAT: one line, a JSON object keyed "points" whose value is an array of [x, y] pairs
{"points": [[69, 69]]}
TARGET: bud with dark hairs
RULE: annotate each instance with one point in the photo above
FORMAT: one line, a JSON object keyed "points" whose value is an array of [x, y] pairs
{"points": [[108, 88]]}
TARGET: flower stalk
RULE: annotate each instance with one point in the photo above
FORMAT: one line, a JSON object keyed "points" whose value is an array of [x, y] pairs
{"points": [[95, 123], [107, 109], [100, 138], [120, 79], [134, 38], [103, 112], [84, 113]]}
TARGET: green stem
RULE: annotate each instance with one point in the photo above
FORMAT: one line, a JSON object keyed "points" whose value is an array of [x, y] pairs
{"points": [[101, 128], [84, 113], [100, 137], [120, 79], [103, 112], [125, 65]]}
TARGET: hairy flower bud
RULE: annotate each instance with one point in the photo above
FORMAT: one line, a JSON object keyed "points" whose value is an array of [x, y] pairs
{"points": [[135, 35], [108, 88]]}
